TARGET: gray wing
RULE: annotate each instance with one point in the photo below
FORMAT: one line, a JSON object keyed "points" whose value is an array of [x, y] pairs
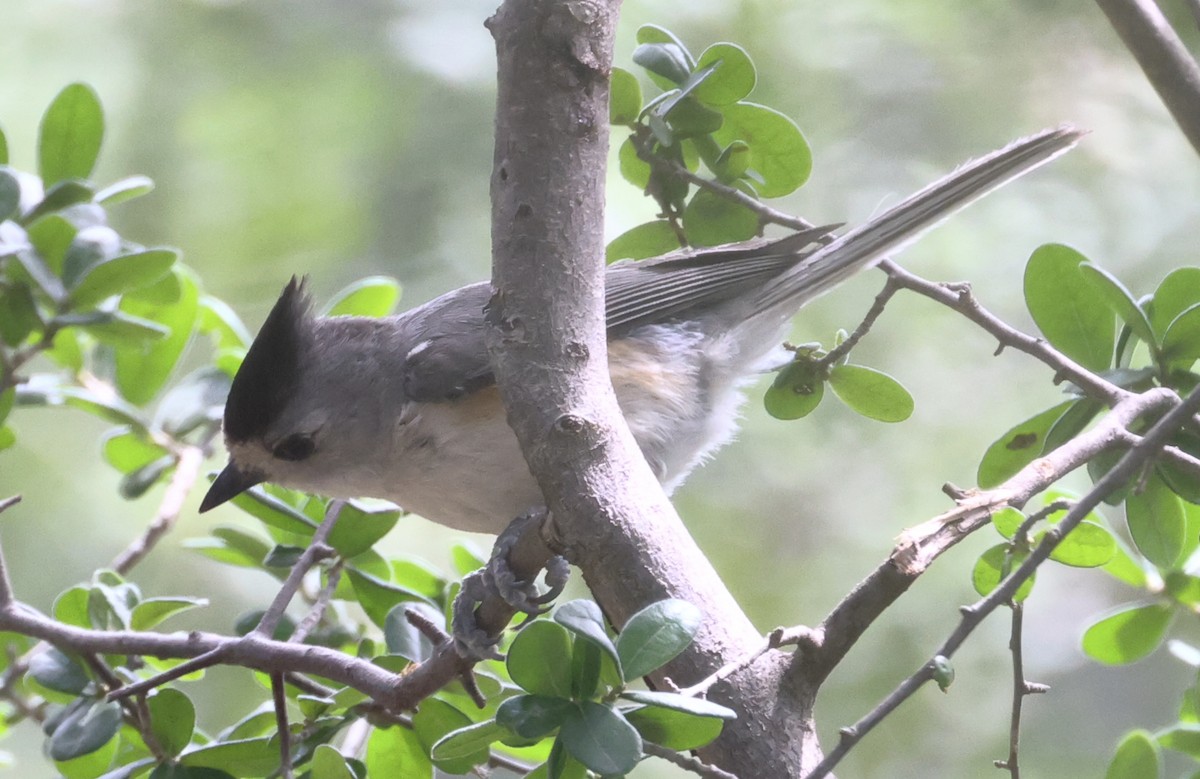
{"points": [[448, 358], [675, 287]]}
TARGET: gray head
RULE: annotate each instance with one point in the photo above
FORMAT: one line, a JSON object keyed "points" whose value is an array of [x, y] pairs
{"points": [[308, 396]]}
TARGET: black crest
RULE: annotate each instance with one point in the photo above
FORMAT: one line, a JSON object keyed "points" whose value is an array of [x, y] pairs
{"points": [[270, 374]]}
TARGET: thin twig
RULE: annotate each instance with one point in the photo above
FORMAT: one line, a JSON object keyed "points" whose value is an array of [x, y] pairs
{"points": [[777, 638], [279, 696], [199, 663], [316, 551], [973, 616], [686, 762], [960, 298], [1020, 690], [890, 288], [320, 604], [187, 470]]}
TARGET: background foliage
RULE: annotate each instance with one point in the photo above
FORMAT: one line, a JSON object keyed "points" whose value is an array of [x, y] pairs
{"points": [[345, 140]]}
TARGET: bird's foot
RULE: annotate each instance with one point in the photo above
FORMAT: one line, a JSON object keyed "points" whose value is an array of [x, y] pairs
{"points": [[498, 578]]}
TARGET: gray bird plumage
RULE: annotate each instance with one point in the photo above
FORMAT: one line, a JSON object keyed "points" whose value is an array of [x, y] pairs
{"points": [[404, 407]]}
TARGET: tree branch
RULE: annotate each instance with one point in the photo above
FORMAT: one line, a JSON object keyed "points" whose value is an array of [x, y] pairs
{"points": [[546, 334], [973, 615], [1168, 65]]}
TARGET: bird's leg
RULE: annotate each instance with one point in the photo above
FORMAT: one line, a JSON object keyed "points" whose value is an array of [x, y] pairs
{"points": [[500, 579]]}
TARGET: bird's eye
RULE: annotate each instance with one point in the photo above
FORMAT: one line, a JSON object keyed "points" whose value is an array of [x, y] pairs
{"points": [[296, 447]]}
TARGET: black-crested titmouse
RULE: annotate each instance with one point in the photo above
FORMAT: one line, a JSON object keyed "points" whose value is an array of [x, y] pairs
{"points": [[405, 408]]}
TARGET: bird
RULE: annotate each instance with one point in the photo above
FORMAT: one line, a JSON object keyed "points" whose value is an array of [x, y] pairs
{"points": [[405, 408]]}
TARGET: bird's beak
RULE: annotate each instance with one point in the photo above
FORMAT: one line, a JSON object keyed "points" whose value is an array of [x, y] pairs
{"points": [[229, 483]]}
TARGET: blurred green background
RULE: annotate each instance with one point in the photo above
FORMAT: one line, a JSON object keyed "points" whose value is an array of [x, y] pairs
{"points": [[341, 139]]}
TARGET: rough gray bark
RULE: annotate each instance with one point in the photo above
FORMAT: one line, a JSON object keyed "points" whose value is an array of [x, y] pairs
{"points": [[547, 339]]}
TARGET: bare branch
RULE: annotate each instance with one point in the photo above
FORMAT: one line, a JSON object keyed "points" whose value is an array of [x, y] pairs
{"points": [[1164, 59], [279, 700], [921, 545], [316, 551], [686, 762], [973, 615]]}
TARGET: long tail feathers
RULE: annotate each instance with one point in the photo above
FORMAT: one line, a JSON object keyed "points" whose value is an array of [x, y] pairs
{"points": [[906, 221]]}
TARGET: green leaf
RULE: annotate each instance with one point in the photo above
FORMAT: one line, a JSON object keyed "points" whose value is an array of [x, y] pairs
{"points": [[435, 719], [872, 393], [1087, 546], [141, 373], [56, 671], [121, 330], [251, 757], [711, 220], [733, 79], [655, 635], [70, 135], [467, 740], [7, 399], [1071, 423], [1120, 300], [3, 147], [1018, 447], [668, 61], [418, 577], [625, 97], [397, 753], [273, 512], [172, 719], [174, 771], [646, 240], [1181, 343], [994, 566], [85, 729], [689, 118], [403, 638], [600, 738], [633, 168], [127, 188], [1182, 738], [18, 314], [71, 608], [72, 201], [466, 558], [733, 162], [51, 235], [779, 153], [120, 275], [10, 194], [583, 618], [1157, 523], [128, 449], [1067, 307], [796, 391], [218, 320], [534, 716], [587, 664], [1007, 521], [358, 528], [7, 438], [686, 704], [378, 597], [674, 729], [374, 296], [328, 763], [1176, 293], [152, 611], [1128, 634], [539, 659], [232, 546], [1136, 758], [1124, 568]]}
